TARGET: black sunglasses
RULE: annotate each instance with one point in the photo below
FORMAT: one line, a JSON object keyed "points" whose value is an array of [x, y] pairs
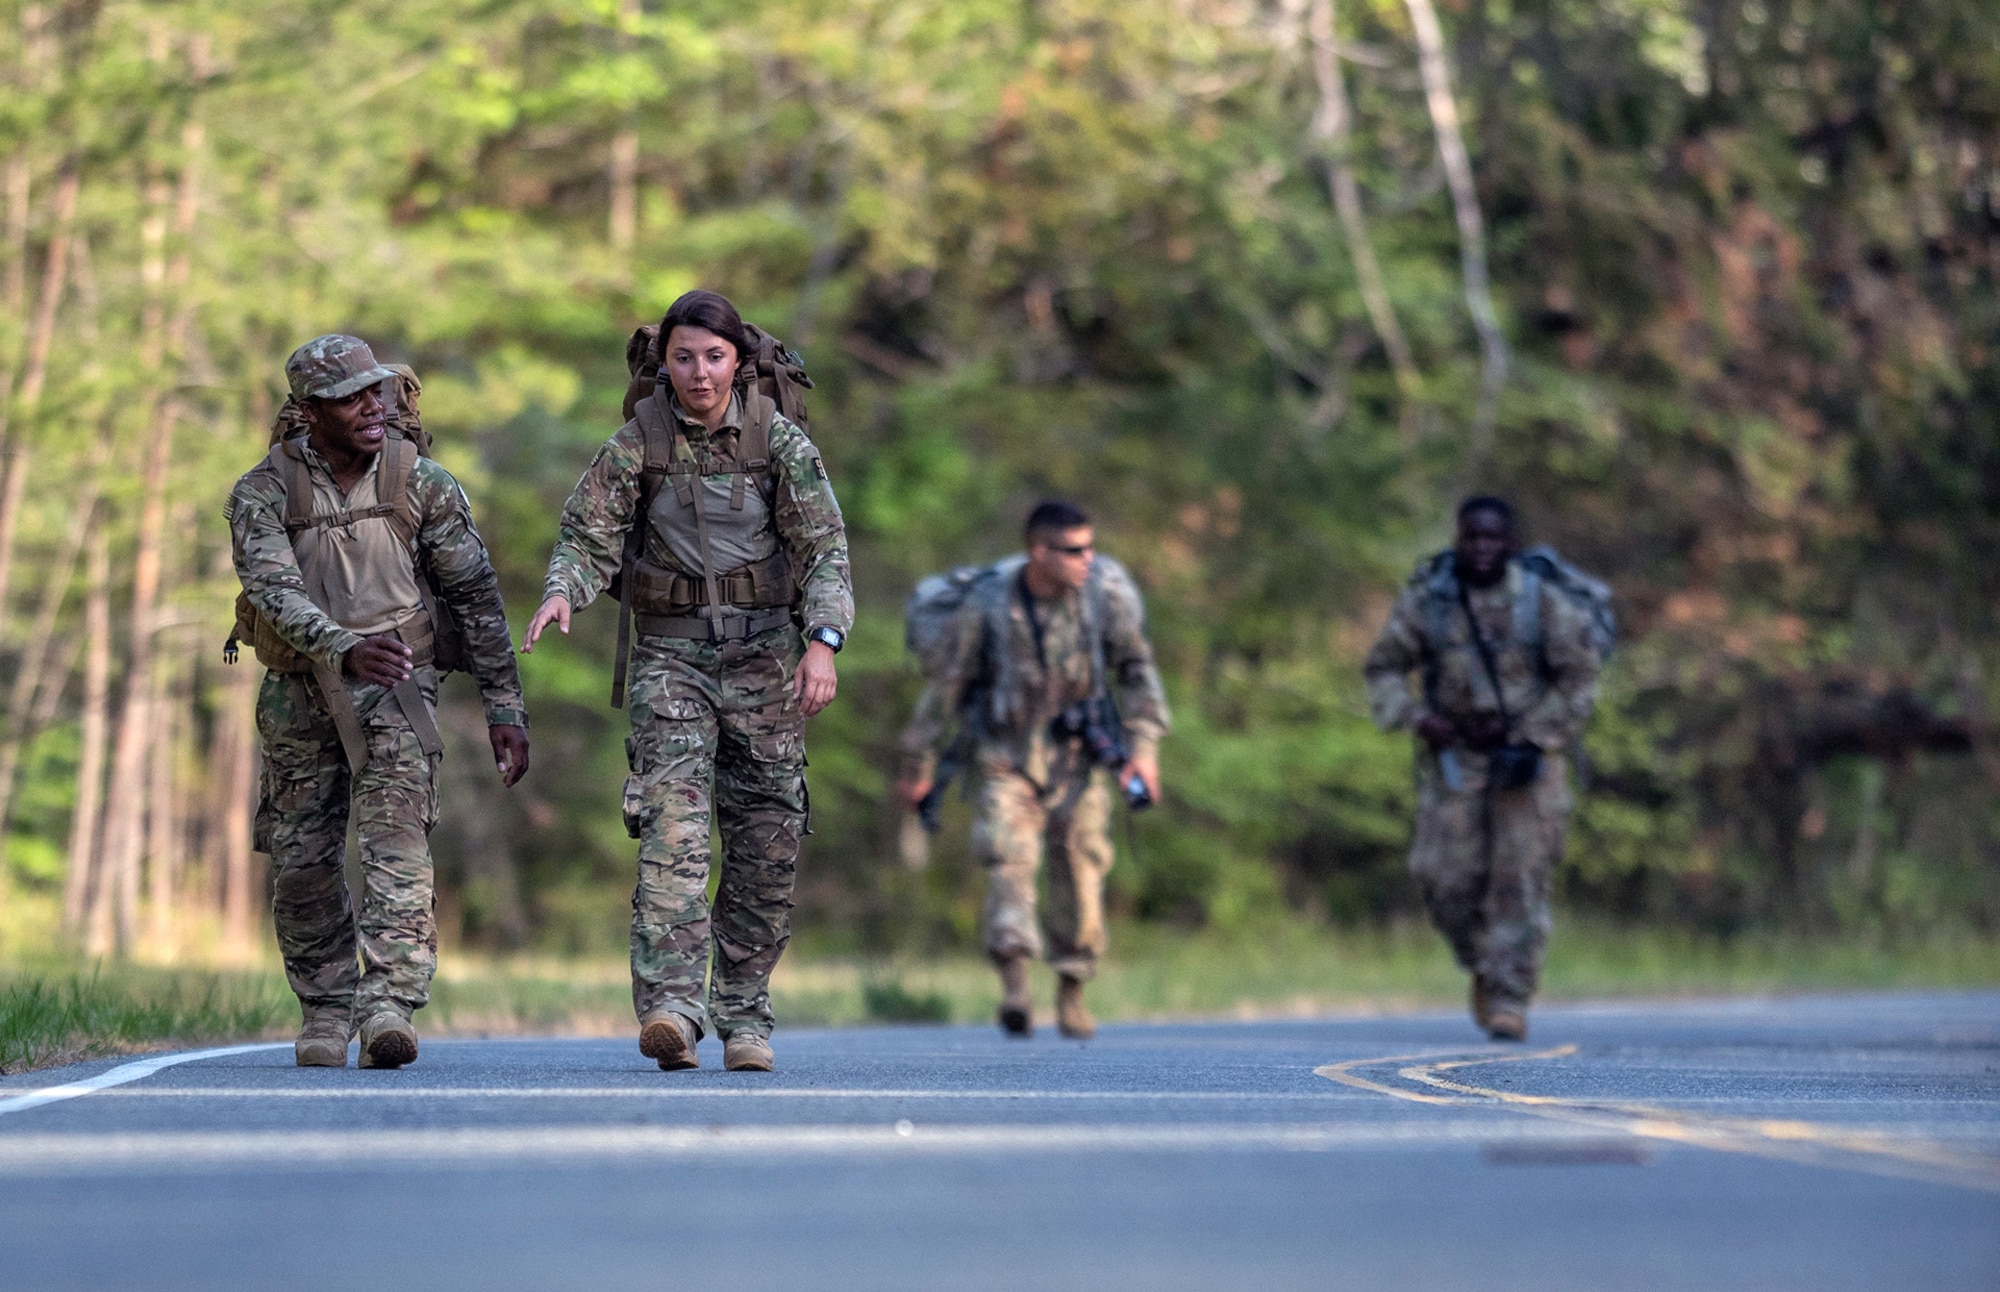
{"points": [[1078, 550]]}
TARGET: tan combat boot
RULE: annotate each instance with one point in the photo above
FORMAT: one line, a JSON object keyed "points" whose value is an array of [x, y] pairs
{"points": [[387, 1040], [668, 1038], [1507, 1020], [746, 1052], [1017, 1008], [1481, 1005], [1072, 1015], [323, 1036]]}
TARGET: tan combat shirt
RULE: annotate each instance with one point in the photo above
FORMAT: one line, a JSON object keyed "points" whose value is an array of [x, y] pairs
{"points": [[370, 581], [1549, 694]]}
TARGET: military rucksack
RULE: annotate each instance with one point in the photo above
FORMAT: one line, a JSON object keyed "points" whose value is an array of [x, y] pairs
{"points": [[408, 440], [936, 628], [1539, 565]]}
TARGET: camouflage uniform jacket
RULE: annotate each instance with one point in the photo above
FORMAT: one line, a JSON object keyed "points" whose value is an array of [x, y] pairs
{"points": [[1549, 686], [448, 545], [591, 542], [1027, 688]]}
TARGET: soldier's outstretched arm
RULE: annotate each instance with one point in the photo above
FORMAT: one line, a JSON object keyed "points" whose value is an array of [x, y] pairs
{"points": [[590, 538], [269, 571]]}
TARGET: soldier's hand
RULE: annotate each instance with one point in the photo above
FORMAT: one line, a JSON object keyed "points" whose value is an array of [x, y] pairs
{"points": [[510, 752], [1436, 730], [815, 682], [553, 611], [1147, 769], [383, 661]]}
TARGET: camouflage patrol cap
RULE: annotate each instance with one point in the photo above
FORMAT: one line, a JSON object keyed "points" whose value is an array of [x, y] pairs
{"points": [[333, 367]]}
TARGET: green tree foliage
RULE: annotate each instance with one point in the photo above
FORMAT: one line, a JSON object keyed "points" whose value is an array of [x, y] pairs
{"points": [[1745, 254]]}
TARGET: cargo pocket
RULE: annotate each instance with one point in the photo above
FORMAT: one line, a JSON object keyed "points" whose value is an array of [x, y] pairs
{"points": [[665, 746]]}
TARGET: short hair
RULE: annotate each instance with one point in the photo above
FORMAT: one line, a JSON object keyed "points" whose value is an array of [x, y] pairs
{"points": [[713, 312], [1487, 502], [1051, 515]]}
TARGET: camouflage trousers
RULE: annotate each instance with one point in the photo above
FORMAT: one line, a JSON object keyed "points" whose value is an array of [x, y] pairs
{"points": [[1484, 859], [716, 735], [304, 805], [1069, 819]]}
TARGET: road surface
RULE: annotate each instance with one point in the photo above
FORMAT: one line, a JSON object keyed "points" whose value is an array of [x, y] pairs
{"points": [[1819, 1144]]}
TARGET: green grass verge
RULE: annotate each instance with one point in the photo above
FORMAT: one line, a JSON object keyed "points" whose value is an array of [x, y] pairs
{"points": [[53, 1012], [51, 1018]]}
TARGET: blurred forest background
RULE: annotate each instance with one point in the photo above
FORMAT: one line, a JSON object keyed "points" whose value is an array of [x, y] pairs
{"points": [[1708, 286]]}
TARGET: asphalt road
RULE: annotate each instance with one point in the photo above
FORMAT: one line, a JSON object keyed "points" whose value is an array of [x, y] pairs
{"points": [[1812, 1144]]}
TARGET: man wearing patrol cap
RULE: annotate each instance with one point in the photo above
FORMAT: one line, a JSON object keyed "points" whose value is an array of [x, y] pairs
{"points": [[363, 578]]}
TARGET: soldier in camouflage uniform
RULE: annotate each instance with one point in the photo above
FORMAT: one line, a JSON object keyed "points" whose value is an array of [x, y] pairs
{"points": [[1482, 853], [740, 592], [340, 582], [1023, 655]]}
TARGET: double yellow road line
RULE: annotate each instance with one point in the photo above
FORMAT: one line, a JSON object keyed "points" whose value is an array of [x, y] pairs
{"points": [[1423, 1079]]}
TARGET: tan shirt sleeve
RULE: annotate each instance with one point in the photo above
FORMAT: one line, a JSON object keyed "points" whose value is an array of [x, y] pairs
{"points": [[1131, 673], [1562, 711], [1398, 652]]}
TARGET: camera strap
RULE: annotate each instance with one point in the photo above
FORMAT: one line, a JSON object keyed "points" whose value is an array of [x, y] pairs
{"points": [[1091, 627], [1034, 619], [1485, 656]]}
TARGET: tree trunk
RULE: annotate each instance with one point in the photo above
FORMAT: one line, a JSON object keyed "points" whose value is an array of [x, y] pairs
{"points": [[1471, 227], [33, 378], [622, 223], [624, 215], [80, 884], [235, 769], [163, 820], [1333, 125], [126, 802], [37, 653]]}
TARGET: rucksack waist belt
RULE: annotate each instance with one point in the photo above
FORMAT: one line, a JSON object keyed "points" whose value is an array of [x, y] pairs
{"points": [[702, 628], [761, 585]]}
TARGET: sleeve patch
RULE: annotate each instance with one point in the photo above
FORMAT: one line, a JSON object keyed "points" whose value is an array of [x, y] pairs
{"points": [[819, 467]]}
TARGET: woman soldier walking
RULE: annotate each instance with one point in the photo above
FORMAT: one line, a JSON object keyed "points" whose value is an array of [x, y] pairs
{"points": [[737, 582]]}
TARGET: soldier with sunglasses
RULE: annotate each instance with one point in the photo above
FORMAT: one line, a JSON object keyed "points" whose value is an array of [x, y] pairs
{"points": [[1052, 677]]}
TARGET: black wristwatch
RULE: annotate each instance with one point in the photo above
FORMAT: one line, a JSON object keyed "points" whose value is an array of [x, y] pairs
{"points": [[831, 638]]}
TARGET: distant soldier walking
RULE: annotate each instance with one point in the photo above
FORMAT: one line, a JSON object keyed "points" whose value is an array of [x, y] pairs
{"points": [[1508, 648], [362, 576], [1041, 663], [714, 510]]}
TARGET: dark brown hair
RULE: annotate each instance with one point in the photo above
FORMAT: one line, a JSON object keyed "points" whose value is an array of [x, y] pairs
{"points": [[712, 312], [1053, 516]]}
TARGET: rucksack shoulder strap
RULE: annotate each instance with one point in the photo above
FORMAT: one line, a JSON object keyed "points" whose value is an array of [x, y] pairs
{"points": [[1528, 612], [753, 446], [290, 464], [660, 442], [392, 489]]}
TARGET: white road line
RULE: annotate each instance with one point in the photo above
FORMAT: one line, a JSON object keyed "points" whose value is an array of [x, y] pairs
{"points": [[670, 1089], [123, 1073], [417, 1149]]}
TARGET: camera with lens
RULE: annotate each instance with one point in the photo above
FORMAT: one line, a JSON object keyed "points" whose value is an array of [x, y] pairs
{"points": [[1095, 722]]}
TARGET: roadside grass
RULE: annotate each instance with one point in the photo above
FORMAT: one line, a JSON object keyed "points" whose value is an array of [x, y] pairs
{"points": [[50, 1018], [55, 1010]]}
